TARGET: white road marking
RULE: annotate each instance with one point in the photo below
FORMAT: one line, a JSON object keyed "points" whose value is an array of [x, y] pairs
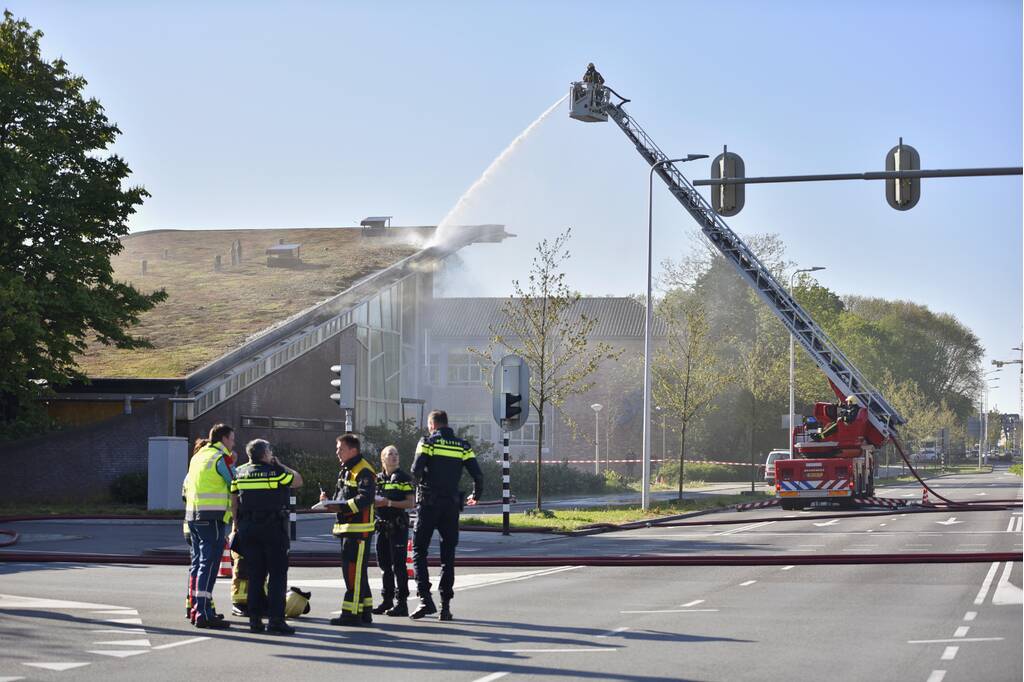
{"points": [[613, 632], [558, 651], [954, 641], [120, 654], [674, 611], [986, 584], [692, 603], [937, 676], [748, 582], [491, 677], [58, 667], [126, 642], [949, 653], [827, 523], [1020, 524], [961, 631], [883, 524], [467, 581], [1010, 525], [181, 643], [119, 612], [752, 526], [1006, 592], [10, 679], [970, 615], [125, 621], [979, 494], [529, 575], [786, 568], [11, 601], [951, 521], [125, 631]]}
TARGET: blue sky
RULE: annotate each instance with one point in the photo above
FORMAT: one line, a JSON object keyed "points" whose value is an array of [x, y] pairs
{"points": [[305, 114]]}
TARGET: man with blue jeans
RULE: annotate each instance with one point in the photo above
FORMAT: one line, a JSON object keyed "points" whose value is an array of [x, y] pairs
{"points": [[207, 511]]}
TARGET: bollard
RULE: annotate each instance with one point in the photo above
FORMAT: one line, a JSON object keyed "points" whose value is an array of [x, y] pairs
{"points": [[292, 517], [505, 481]]}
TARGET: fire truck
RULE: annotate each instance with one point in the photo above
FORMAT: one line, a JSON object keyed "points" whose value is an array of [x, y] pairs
{"points": [[833, 453]]}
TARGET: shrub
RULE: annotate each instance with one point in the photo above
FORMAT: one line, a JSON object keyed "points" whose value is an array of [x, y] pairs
{"points": [[317, 469], [132, 488], [701, 471]]}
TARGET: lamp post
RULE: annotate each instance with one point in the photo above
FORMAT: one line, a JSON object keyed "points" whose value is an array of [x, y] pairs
{"points": [[792, 362], [999, 364], [645, 485], [596, 407], [983, 427]]}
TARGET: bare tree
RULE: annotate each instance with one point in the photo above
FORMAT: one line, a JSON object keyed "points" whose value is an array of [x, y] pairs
{"points": [[542, 324], [688, 375]]}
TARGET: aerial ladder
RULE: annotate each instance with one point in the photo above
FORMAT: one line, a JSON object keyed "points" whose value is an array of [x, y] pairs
{"points": [[595, 102]]}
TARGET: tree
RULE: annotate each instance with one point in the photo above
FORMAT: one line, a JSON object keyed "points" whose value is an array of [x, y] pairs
{"points": [[687, 374], [63, 209], [542, 324]]}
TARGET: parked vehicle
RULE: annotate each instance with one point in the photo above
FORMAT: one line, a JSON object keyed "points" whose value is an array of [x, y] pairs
{"points": [[769, 464]]}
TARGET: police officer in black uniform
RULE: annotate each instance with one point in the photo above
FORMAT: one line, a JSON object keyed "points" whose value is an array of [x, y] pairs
{"points": [[395, 496], [259, 500], [353, 502], [437, 468]]}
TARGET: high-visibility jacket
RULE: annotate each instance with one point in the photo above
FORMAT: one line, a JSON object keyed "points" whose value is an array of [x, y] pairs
{"points": [[437, 467], [357, 488], [207, 496]]}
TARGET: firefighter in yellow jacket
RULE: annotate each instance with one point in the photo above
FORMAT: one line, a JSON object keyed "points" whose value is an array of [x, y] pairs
{"points": [[353, 502]]}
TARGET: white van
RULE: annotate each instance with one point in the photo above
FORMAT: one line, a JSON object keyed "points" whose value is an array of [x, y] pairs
{"points": [[769, 464]]}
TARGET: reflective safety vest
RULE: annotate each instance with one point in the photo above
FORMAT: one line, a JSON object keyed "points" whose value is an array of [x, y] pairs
{"points": [[207, 496], [356, 486]]}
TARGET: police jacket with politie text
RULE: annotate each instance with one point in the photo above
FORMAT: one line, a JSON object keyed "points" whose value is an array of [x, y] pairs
{"points": [[262, 490], [440, 458], [356, 489], [394, 486]]}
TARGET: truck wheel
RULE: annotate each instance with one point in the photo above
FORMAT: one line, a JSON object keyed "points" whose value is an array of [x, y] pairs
{"points": [[870, 492]]}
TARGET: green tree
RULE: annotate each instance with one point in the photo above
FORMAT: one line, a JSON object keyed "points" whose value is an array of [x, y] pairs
{"points": [[63, 209], [542, 324]]}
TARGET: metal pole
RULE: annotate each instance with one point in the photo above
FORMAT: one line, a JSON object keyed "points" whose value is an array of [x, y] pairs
{"points": [[506, 494], [792, 362], [870, 175], [292, 518], [645, 465], [597, 442]]}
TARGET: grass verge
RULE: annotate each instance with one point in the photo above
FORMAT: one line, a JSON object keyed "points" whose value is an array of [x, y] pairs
{"points": [[86, 509], [1015, 469], [575, 519]]}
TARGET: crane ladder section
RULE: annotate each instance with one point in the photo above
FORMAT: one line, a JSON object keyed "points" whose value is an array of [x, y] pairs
{"points": [[826, 355]]}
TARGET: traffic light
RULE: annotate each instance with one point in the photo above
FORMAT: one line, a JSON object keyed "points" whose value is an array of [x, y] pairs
{"points": [[727, 200], [513, 408], [336, 383], [903, 194]]}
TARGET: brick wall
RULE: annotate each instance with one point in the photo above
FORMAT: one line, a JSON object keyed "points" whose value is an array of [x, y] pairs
{"points": [[79, 464]]}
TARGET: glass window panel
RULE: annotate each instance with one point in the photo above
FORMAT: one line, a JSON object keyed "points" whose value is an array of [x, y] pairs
{"points": [[374, 307], [376, 343]]}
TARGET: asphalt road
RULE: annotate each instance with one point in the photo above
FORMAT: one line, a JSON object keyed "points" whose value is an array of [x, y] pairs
{"points": [[863, 622]]}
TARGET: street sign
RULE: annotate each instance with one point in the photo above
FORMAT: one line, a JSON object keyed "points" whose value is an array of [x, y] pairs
{"points": [[727, 200], [511, 401]]}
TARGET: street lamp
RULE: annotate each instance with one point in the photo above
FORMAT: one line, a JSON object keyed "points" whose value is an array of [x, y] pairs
{"points": [[645, 486], [596, 407], [792, 361], [983, 426]]}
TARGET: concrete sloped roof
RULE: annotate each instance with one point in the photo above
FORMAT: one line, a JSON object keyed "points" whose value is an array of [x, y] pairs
{"points": [[617, 317]]}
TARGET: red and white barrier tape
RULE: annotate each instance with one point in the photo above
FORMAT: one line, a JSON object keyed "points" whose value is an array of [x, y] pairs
{"points": [[636, 461]]}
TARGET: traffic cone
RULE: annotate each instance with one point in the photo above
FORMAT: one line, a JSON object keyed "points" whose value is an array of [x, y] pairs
{"points": [[408, 560], [924, 496], [225, 563]]}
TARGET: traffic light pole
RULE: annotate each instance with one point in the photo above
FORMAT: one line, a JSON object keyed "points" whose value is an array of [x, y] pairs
{"points": [[872, 175], [506, 494]]}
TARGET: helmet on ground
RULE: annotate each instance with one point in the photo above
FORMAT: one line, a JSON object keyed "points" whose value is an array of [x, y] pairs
{"points": [[297, 603]]}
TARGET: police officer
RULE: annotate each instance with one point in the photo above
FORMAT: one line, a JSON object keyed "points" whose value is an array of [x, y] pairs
{"points": [[207, 511], [260, 499], [394, 497], [353, 501], [437, 468]]}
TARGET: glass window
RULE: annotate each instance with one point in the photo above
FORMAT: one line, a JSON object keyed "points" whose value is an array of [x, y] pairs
{"points": [[288, 423], [464, 369], [434, 369], [256, 422], [526, 435], [330, 425]]}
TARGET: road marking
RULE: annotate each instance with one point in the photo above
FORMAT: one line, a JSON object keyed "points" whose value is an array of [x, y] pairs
{"points": [[961, 631], [613, 632], [125, 631], [979, 494], [952, 520], [692, 603], [491, 677], [949, 653], [181, 643], [751, 526], [119, 654], [954, 641], [970, 615], [786, 568], [1006, 592], [558, 651], [749, 582], [983, 592], [1020, 524], [827, 523], [883, 524], [674, 611], [1010, 525], [58, 667], [937, 676], [11, 601], [127, 642], [10, 679], [120, 612]]}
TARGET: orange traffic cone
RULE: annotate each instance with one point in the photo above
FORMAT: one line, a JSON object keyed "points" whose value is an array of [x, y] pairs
{"points": [[408, 560], [225, 563], [924, 496]]}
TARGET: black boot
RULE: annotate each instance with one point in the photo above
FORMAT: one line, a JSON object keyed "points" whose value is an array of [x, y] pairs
{"points": [[446, 612], [400, 609], [367, 616], [384, 606], [349, 619], [256, 625], [426, 608], [279, 627]]}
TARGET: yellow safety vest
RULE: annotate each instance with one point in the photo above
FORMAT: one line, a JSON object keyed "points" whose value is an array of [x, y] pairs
{"points": [[207, 495]]}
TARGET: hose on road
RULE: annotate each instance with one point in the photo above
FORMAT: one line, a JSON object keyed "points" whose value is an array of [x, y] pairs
{"points": [[959, 505], [12, 537]]}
